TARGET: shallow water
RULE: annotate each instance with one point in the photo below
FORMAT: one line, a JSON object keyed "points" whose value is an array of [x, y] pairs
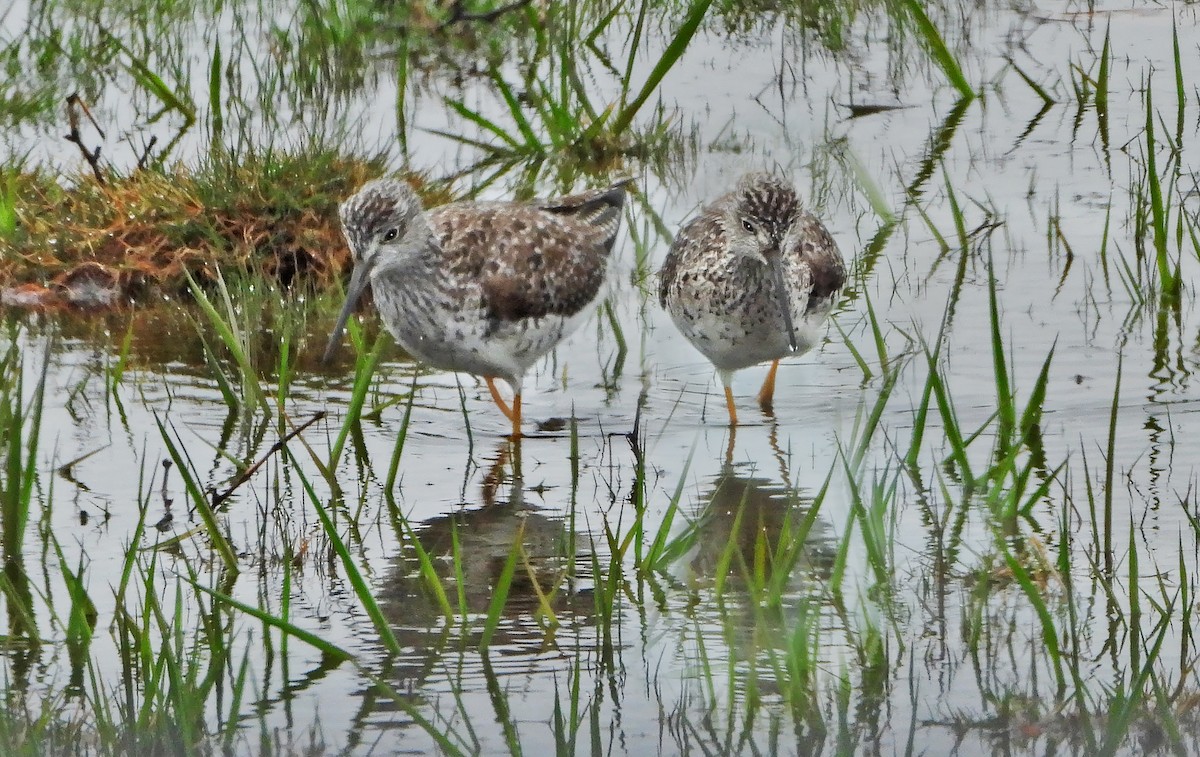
{"points": [[898, 663]]}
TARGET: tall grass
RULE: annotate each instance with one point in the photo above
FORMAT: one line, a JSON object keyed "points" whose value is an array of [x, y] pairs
{"points": [[952, 554], [550, 116], [21, 424], [934, 43]]}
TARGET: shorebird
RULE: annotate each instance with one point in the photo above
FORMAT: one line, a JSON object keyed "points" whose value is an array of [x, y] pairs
{"points": [[750, 279], [485, 288]]}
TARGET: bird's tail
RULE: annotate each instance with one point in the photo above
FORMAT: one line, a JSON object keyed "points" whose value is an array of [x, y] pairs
{"points": [[600, 208]]}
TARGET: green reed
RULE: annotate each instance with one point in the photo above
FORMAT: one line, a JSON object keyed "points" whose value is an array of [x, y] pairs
{"points": [[549, 113], [670, 56], [1160, 208], [21, 423], [198, 496], [365, 365], [332, 652], [1038, 89], [236, 328], [432, 578], [664, 550], [341, 548], [1100, 97], [859, 360], [938, 50], [81, 615], [566, 725], [8, 203], [1180, 87], [1093, 612]]}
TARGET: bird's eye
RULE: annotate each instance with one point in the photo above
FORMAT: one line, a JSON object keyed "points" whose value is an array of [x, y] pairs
{"points": [[391, 234], [748, 226]]}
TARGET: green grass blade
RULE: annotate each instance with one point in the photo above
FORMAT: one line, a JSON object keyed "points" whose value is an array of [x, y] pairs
{"points": [[483, 123], [353, 575], [500, 592], [199, 500], [330, 650], [1005, 407], [1180, 92], [1038, 89], [937, 48], [515, 109], [670, 57], [364, 372], [216, 106]]}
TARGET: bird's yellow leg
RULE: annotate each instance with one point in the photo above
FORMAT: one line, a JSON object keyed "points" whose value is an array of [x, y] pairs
{"points": [[516, 420], [729, 404], [766, 395], [500, 403]]}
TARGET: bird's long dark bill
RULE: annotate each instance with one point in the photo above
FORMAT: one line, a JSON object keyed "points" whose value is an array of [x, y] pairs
{"points": [[358, 283], [775, 263]]}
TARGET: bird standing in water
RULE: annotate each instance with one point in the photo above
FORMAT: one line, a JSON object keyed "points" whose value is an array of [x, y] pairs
{"points": [[750, 279], [486, 288]]}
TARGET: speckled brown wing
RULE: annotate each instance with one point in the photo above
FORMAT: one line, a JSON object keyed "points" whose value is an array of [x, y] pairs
{"points": [[703, 232], [826, 267], [531, 261]]}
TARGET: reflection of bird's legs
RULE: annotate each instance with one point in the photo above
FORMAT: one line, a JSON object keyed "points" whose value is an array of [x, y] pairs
{"points": [[766, 395], [510, 450], [729, 446], [780, 457], [495, 476], [514, 443]]}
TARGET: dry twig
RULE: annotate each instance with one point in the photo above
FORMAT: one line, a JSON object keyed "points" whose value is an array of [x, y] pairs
{"points": [[74, 105]]}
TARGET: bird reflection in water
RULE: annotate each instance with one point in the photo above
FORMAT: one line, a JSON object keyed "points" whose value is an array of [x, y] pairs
{"points": [[747, 515], [759, 562], [468, 550]]}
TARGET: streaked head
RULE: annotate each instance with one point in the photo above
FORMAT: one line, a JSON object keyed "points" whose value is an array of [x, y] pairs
{"points": [[375, 221], [763, 211], [377, 216]]}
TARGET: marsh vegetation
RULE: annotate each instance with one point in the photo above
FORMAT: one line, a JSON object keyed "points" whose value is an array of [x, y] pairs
{"points": [[970, 523]]}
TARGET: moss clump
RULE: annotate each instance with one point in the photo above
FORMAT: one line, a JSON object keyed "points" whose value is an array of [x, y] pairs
{"points": [[270, 215]]}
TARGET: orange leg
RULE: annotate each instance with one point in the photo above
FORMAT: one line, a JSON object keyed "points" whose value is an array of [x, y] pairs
{"points": [[513, 413], [516, 420], [500, 403], [729, 404], [766, 395]]}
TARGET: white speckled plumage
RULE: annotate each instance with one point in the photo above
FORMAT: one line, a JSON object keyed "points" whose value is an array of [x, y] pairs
{"points": [[486, 288], [752, 278]]}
